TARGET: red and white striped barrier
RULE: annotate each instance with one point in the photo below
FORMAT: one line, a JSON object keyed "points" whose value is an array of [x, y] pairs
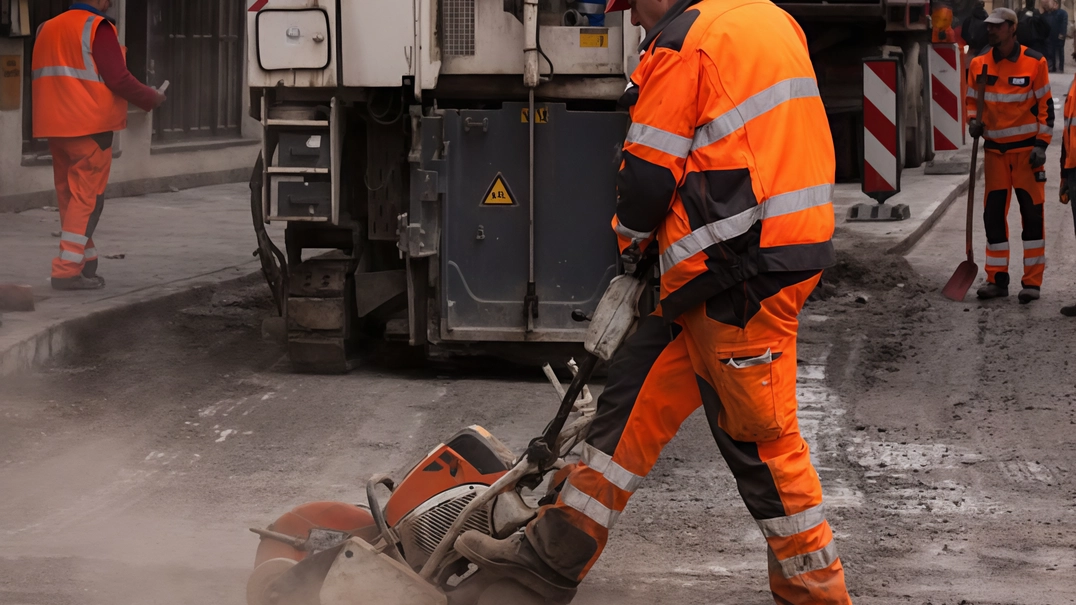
{"points": [[943, 61], [881, 127]]}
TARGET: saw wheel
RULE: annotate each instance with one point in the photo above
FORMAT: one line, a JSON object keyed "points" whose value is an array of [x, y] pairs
{"points": [[258, 586]]}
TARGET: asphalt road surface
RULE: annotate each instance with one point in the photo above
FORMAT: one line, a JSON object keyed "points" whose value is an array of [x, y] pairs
{"points": [[130, 471]]}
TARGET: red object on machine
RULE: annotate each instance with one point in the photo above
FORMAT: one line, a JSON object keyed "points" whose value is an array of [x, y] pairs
{"points": [[315, 515]]}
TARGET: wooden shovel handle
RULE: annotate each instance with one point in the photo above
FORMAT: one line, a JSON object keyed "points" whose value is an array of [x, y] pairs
{"points": [[980, 101]]}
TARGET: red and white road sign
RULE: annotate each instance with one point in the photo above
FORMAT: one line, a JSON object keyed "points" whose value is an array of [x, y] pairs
{"points": [[881, 124], [945, 114]]}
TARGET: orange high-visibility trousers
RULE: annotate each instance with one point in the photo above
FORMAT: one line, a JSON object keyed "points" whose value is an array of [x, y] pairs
{"points": [[80, 168], [736, 357], [1005, 172]]}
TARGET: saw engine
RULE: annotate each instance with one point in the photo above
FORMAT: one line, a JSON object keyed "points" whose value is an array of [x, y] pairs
{"points": [[295, 559]]}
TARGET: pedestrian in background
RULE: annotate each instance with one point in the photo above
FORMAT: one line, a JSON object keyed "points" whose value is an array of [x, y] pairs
{"points": [[1058, 20], [1017, 124], [81, 87], [1032, 30], [973, 30]]}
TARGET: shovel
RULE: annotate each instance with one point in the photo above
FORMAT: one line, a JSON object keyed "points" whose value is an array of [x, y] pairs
{"points": [[965, 274]]}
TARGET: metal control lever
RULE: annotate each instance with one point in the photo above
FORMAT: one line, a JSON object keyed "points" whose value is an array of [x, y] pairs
{"points": [[580, 315]]}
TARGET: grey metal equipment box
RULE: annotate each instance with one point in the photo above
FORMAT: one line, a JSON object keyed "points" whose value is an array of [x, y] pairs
{"points": [[485, 246]]}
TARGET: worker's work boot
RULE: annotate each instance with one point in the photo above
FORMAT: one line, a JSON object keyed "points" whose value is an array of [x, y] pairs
{"points": [[1028, 294], [514, 558], [989, 291], [78, 282], [1069, 311]]}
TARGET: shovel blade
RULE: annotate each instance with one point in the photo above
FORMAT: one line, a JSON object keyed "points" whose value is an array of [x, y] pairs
{"points": [[961, 281]]}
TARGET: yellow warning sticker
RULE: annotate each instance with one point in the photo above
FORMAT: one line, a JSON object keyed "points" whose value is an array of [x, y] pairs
{"points": [[594, 38], [498, 193], [542, 112]]}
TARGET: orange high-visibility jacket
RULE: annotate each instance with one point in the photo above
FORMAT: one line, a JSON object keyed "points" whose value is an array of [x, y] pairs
{"points": [[1019, 109], [729, 159], [1068, 138], [69, 97]]}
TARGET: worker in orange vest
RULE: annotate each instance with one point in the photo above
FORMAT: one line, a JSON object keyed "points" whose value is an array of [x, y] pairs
{"points": [[1068, 164], [728, 171], [81, 87], [1017, 124]]}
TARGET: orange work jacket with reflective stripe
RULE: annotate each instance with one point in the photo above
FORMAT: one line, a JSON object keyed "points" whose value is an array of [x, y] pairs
{"points": [[1018, 109], [729, 161], [69, 97], [1068, 137]]}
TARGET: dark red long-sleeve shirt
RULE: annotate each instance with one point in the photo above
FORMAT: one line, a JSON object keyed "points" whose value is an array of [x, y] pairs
{"points": [[112, 67]]}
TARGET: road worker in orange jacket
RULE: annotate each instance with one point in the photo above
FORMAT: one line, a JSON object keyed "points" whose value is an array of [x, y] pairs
{"points": [[1068, 165], [1017, 123], [728, 169], [81, 87]]}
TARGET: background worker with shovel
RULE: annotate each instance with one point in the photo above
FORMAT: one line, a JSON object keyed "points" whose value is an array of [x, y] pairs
{"points": [[1017, 122]]}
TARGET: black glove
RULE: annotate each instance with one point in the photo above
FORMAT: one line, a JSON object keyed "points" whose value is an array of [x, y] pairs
{"points": [[1070, 184], [975, 128], [1038, 157]]}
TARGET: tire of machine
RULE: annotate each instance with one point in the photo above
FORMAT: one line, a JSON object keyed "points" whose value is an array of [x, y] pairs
{"points": [[320, 323], [916, 121]]}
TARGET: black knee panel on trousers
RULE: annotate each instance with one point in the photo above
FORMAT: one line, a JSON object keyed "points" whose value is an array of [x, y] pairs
{"points": [[753, 476], [1032, 215], [627, 372], [994, 216]]}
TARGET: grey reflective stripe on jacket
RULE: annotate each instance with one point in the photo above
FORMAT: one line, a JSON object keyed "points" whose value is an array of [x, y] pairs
{"points": [[89, 70], [661, 140], [733, 226], [1014, 131], [753, 107]]}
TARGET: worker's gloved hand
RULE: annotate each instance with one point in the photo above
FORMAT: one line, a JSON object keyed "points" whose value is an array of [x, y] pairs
{"points": [[1068, 190], [1038, 157], [1063, 191], [975, 128]]}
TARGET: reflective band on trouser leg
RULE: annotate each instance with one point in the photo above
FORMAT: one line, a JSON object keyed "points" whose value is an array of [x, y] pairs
{"points": [[650, 391], [83, 167], [1034, 262]]}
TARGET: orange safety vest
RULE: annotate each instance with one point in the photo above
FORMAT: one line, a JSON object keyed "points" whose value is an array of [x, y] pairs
{"points": [[729, 159], [1018, 109], [1068, 139], [70, 99]]}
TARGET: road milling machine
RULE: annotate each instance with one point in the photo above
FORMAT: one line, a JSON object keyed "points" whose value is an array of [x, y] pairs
{"points": [[445, 169]]}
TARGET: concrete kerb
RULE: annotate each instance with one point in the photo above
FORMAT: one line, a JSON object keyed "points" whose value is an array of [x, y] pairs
{"points": [[909, 242], [61, 336]]}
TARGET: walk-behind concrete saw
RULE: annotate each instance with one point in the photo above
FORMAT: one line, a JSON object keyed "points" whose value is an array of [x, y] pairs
{"points": [[401, 552]]}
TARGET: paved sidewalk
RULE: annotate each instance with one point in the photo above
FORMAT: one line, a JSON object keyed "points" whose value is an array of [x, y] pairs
{"points": [[150, 246], [928, 196]]}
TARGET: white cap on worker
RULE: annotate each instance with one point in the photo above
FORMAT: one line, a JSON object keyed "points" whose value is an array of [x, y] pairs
{"points": [[1001, 15]]}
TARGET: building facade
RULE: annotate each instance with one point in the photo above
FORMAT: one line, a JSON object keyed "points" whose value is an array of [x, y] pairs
{"points": [[200, 136]]}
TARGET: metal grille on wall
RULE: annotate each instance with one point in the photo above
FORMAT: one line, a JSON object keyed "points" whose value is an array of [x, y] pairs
{"points": [[197, 45], [458, 24]]}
